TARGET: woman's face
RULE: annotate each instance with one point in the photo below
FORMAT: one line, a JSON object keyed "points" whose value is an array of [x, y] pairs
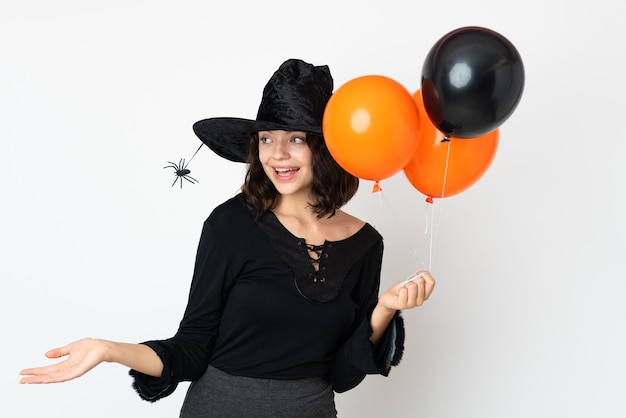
{"points": [[286, 159]]}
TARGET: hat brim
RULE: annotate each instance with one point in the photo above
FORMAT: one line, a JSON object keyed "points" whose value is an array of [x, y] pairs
{"points": [[229, 137]]}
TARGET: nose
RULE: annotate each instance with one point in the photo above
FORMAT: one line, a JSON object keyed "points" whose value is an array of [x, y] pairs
{"points": [[280, 150]]}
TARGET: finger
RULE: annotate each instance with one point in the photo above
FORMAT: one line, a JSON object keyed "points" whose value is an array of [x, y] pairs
{"points": [[40, 371], [38, 375], [55, 373], [404, 296], [429, 282], [43, 379], [57, 352], [419, 292], [36, 380], [412, 293]]}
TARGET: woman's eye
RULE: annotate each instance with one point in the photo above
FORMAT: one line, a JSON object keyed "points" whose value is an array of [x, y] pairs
{"points": [[264, 140], [298, 140]]}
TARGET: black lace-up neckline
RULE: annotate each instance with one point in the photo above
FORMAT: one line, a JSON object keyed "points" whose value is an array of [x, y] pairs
{"points": [[319, 270], [315, 254]]}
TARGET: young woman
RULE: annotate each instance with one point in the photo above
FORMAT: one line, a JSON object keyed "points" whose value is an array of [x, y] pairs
{"points": [[284, 307]]}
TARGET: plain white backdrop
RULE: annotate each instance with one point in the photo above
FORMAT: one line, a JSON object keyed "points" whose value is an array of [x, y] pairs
{"points": [[528, 318]]}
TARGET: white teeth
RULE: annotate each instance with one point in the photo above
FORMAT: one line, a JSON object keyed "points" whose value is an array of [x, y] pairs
{"points": [[285, 170]]}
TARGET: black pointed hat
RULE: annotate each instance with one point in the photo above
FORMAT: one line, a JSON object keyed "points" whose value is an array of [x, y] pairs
{"points": [[294, 99]]}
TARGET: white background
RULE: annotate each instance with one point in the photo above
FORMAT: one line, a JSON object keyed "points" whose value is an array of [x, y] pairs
{"points": [[528, 317]]}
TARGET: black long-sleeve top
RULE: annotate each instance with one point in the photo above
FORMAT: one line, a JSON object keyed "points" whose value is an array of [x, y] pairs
{"points": [[257, 307]]}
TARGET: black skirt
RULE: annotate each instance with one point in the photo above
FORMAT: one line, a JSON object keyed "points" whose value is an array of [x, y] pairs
{"points": [[218, 394]]}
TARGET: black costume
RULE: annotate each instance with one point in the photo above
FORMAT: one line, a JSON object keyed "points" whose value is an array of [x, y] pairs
{"points": [[258, 308]]}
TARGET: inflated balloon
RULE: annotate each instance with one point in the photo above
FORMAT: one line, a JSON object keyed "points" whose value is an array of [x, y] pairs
{"points": [[441, 168], [472, 81], [371, 125]]}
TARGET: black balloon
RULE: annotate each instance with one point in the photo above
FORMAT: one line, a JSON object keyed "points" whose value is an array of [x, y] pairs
{"points": [[472, 80]]}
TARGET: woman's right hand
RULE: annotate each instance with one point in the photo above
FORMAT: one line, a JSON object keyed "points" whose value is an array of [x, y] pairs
{"points": [[82, 356]]}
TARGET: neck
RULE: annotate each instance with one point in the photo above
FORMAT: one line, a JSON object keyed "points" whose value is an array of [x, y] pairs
{"points": [[295, 206]]}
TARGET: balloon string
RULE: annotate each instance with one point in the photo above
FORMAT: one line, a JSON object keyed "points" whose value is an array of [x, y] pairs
{"points": [[445, 171], [432, 240], [432, 228], [430, 225], [382, 201]]}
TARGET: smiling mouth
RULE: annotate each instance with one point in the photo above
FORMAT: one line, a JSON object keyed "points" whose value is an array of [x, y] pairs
{"points": [[285, 172]]}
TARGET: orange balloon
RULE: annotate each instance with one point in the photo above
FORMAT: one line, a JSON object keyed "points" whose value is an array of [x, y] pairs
{"points": [[460, 162], [371, 126]]}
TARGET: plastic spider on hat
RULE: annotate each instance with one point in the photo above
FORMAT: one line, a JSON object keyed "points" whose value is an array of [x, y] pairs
{"points": [[181, 171]]}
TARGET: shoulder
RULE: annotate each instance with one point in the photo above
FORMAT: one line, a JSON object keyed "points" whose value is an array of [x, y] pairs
{"points": [[231, 207], [351, 225], [233, 226], [230, 215], [350, 221], [346, 227]]}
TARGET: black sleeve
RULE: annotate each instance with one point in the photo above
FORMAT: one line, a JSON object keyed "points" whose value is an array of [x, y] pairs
{"points": [[358, 357], [185, 356]]}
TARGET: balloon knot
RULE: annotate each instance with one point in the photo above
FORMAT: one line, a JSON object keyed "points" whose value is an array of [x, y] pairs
{"points": [[429, 199], [446, 138], [376, 188]]}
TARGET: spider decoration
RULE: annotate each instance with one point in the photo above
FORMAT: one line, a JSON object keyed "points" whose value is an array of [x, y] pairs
{"points": [[181, 172]]}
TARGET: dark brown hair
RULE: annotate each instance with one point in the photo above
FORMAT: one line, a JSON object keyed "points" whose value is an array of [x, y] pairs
{"points": [[333, 187]]}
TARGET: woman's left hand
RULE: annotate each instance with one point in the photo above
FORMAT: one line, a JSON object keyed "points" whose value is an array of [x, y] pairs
{"points": [[408, 295], [402, 295]]}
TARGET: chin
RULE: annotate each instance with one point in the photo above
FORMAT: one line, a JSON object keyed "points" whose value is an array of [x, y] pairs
{"points": [[286, 190]]}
